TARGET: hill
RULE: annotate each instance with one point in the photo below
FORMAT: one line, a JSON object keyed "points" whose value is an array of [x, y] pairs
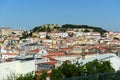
{"points": [[63, 28]]}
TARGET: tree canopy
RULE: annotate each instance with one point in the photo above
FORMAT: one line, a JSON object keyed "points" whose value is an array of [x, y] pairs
{"points": [[67, 69], [86, 27], [63, 28], [95, 70]]}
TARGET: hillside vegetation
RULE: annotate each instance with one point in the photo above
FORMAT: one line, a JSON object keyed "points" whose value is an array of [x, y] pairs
{"points": [[55, 27]]}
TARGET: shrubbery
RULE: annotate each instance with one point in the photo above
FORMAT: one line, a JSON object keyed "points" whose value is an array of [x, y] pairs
{"points": [[95, 70], [67, 70]]}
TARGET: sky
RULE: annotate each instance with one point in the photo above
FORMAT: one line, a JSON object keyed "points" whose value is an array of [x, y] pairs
{"points": [[27, 14]]}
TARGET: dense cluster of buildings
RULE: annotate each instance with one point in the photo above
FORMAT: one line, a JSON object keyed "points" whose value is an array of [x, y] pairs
{"points": [[72, 45]]}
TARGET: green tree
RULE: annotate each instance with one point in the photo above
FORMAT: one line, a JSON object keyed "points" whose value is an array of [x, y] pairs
{"points": [[96, 66], [28, 76], [67, 69], [80, 69], [36, 29], [48, 37], [86, 30], [63, 29], [30, 34], [71, 34], [56, 74], [13, 33], [41, 41], [43, 76], [106, 65], [24, 35], [117, 75], [116, 38], [48, 29]]}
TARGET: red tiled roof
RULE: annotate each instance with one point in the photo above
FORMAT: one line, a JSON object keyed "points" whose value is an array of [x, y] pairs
{"points": [[50, 63], [55, 53], [12, 38], [51, 59], [10, 53], [35, 50], [1, 40]]}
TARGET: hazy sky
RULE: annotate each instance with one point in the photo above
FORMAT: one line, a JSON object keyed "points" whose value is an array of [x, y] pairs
{"points": [[27, 14]]}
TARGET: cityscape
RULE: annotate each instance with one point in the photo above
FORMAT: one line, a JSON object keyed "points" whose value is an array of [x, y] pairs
{"points": [[43, 46], [50, 45]]}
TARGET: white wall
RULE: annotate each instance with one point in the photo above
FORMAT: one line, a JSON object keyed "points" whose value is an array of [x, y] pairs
{"points": [[17, 67], [115, 62]]}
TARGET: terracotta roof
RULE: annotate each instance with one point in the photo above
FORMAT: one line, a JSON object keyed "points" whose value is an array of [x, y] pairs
{"points": [[51, 59], [50, 63], [12, 38], [55, 53], [10, 53], [1, 40], [35, 50]]}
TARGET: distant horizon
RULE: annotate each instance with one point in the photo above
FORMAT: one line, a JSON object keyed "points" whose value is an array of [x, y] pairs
{"points": [[23, 28], [28, 14]]}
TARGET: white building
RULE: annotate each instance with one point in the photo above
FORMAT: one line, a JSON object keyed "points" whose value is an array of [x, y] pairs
{"points": [[32, 46], [43, 52], [63, 35], [42, 34], [17, 67], [79, 34], [114, 60]]}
